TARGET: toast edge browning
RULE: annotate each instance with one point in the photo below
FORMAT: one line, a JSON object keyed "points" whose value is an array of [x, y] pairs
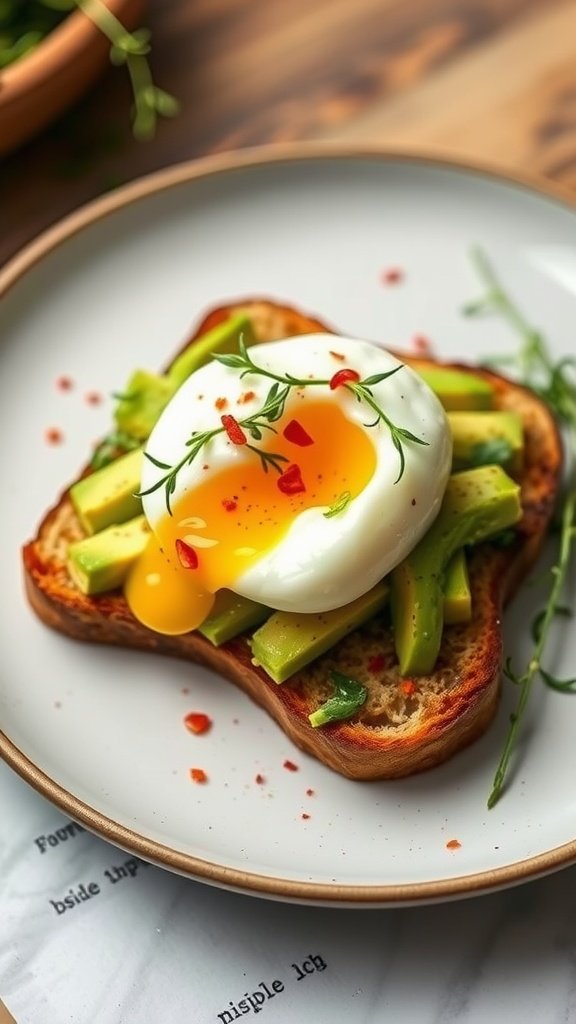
{"points": [[356, 750]]}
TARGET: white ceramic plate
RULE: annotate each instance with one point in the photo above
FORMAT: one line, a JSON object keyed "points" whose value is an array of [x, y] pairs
{"points": [[100, 732]]}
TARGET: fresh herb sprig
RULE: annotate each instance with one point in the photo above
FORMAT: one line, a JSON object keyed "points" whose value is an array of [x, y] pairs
{"points": [[271, 411], [362, 389], [348, 697], [552, 381], [24, 26]]}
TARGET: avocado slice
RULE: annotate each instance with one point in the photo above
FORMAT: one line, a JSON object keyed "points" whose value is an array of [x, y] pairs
{"points": [[101, 563], [458, 389], [288, 641], [477, 503], [147, 394], [109, 495], [230, 616], [482, 437], [233, 614], [457, 593]]}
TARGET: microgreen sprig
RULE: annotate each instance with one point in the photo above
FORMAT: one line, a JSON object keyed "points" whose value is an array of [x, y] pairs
{"points": [[551, 380], [132, 50], [24, 26], [271, 411]]}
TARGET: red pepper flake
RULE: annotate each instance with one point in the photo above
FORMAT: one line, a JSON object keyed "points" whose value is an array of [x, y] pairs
{"points": [[229, 505], [422, 344], [259, 779], [392, 275], [221, 403], [408, 687], [290, 482], [290, 766], [197, 722], [376, 664], [205, 466], [53, 435], [309, 792], [93, 398], [186, 555], [233, 429], [247, 396], [305, 816], [198, 775], [453, 844], [342, 377], [338, 355], [295, 433], [64, 383]]}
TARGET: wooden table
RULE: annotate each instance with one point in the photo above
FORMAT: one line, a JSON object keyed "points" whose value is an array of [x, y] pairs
{"points": [[488, 78]]}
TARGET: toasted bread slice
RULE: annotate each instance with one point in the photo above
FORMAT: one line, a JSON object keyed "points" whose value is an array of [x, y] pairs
{"points": [[401, 729]]}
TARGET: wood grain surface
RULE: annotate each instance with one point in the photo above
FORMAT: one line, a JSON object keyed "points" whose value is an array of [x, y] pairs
{"points": [[488, 78]]}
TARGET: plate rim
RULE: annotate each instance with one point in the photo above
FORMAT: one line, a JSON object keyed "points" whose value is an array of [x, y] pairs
{"points": [[237, 879]]}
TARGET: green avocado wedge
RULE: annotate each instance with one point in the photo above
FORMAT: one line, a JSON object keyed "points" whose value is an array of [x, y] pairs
{"points": [[477, 504], [101, 562], [458, 389], [230, 616], [109, 495], [482, 437], [288, 641], [457, 593]]}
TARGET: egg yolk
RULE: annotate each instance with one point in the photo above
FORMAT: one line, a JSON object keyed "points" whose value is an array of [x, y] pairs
{"points": [[225, 524]]}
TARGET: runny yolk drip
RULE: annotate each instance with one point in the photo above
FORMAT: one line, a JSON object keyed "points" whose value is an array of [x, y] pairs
{"points": [[239, 514]]}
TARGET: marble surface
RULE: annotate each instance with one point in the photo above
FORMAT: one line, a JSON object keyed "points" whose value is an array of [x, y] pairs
{"points": [[150, 946]]}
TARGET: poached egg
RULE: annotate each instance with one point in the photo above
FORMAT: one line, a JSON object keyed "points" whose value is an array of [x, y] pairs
{"points": [[307, 512]]}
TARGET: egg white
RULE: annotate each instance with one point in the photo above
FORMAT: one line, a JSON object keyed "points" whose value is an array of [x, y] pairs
{"points": [[320, 563]]}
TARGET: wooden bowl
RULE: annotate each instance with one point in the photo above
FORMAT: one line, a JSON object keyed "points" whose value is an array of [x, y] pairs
{"points": [[43, 84]]}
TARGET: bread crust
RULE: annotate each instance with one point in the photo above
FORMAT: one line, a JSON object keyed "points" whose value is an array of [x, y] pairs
{"points": [[397, 733]]}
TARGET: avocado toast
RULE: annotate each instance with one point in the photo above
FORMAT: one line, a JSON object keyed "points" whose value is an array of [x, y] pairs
{"points": [[410, 719]]}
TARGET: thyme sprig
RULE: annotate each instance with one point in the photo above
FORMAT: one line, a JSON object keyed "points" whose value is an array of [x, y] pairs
{"points": [[271, 411], [362, 390], [551, 380]]}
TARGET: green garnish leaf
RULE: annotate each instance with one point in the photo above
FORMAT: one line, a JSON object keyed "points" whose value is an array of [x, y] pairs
{"points": [[378, 377], [496, 451], [111, 447], [126, 396], [235, 362], [538, 622], [156, 462], [339, 505], [563, 685], [348, 697]]}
